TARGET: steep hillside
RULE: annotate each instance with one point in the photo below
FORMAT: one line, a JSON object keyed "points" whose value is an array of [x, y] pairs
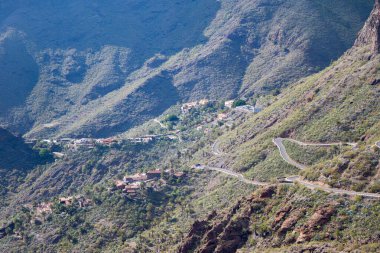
{"points": [[339, 104], [311, 156], [14, 153], [279, 219], [16, 160], [85, 64]]}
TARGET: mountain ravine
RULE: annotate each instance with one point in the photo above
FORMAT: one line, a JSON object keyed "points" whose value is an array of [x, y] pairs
{"points": [[80, 68]]}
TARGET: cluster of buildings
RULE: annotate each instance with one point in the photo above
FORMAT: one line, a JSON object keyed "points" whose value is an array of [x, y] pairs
{"points": [[185, 108], [144, 139], [246, 108], [71, 142], [131, 184], [47, 207], [44, 208], [80, 200], [91, 143], [150, 138]]}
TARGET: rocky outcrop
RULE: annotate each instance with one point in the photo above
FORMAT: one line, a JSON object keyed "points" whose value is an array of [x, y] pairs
{"points": [[321, 216], [268, 192], [370, 34], [248, 221], [227, 232], [289, 223], [196, 232]]}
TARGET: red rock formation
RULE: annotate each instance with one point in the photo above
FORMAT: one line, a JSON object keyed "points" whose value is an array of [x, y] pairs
{"points": [[315, 222]]}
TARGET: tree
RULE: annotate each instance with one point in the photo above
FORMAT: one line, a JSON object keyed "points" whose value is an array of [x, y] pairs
{"points": [[150, 211], [172, 118], [44, 153], [239, 102]]}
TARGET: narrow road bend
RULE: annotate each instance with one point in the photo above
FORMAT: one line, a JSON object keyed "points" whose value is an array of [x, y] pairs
{"points": [[311, 185]]}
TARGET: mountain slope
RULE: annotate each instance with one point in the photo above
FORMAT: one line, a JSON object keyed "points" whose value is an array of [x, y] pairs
{"points": [[84, 67], [339, 104], [14, 153], [16, 160]]}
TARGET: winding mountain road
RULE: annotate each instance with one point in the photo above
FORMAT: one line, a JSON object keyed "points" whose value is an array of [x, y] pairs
{"points": [[285, 156], [319, 144], [292, 179], [216, 150], [311, 185]]}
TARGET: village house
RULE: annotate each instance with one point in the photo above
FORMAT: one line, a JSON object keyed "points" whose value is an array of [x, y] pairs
{"points": [[185, 108], [144, 139], [84, 142], [106, 142], [229, 103], [66, 140], [66, 201], [47, 141], [132, 187], [179, 174], [82, 201], [222, 116], [132, 183], [204, 102], [120, 185], [44, 208], [248, 108], [140, 177], [172, 137], [153, 174]]}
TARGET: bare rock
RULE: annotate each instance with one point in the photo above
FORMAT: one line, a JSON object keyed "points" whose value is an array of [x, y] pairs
{"points": [[316, 221]]}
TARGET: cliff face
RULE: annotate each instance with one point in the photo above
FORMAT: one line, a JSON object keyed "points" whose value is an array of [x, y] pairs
{"points": [[370, 34], [267, 219]]}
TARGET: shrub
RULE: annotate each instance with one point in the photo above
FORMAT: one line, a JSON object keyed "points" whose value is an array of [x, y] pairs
{"points": [[239, 102], [375, 187], [172, 118]]}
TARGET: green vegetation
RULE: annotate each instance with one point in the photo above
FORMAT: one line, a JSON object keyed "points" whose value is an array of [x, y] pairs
{"points": [[238, 102], [172, 118], [310, 155], [355, 170], [340, 104]]}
